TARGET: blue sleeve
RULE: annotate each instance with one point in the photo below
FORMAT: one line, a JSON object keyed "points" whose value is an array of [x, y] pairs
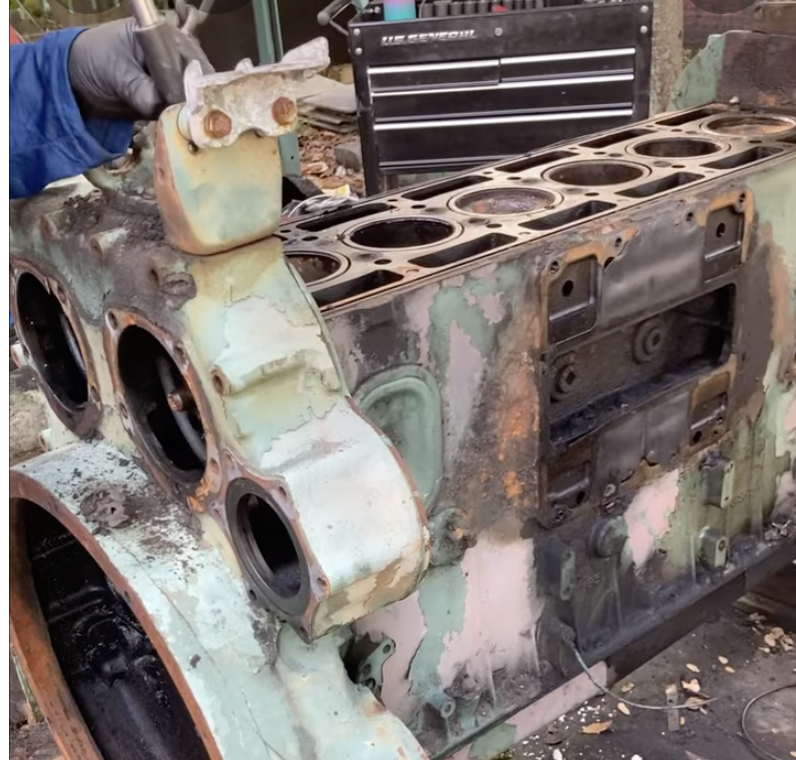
{"points": [[50, 140]]}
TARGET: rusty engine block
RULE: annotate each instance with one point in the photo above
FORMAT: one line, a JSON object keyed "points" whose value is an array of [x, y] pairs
{"points": [[370, 497]]}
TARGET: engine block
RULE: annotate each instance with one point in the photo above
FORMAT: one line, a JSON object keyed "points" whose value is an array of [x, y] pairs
{"points": [[365, 487]]}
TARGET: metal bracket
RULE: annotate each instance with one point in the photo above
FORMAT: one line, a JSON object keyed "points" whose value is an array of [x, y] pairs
{"points": [[220, 107]]}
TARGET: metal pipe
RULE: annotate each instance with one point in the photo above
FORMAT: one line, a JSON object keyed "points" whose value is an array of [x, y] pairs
{"points": [[146, 14]]}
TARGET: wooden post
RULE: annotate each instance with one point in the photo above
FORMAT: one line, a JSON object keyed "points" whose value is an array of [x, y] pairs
{"points": [[667, 52]]}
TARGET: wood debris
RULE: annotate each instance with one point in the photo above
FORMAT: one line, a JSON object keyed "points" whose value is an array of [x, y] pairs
{"points": [[723, 660], [694, 703], [623, 708], [597, 728], [693, 668], [693, 686], [729, 668], [626, 688]]}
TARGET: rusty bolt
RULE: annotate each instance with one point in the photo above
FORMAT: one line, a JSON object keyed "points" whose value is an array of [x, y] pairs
{"points": [[217, 124], [180, 400], [284, 111]]}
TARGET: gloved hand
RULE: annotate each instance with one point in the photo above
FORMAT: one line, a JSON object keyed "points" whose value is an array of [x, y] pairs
{"points": [[108, 73]]}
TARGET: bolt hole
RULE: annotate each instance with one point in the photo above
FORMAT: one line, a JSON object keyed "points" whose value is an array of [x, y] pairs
{"points": [[252, 595], [154, 277], [214, 468], [383, 262], [370, 684], [113, 321], [367, 670], [722, 545], [386, 649], [322, 583], [568, 288], [554, 267], [591, 194], [218, 383], [494, 226], [179, 356], [721, 230], [610, 260], [580, 498], [618, 243], [696, 437], [281, 491], [418, 206], [309, 238], [689, 217]]}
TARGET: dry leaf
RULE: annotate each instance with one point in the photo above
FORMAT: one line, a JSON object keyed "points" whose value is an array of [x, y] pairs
{"points": [[786, 642], [693, 668], [793, 754], [703, 710], [777, 632], [558, 754], [729, 669], [682, 720], [756, 617], [723, 660], [623, 708], [692, 686], [765, 649], [626, 688], [771, 640], [694, 703], [597, 728]]}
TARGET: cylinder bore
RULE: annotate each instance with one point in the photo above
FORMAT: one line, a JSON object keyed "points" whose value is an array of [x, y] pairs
{"points": [[403, 232], [267, 547], [595, 173], [677, 147], [504, 201], [54, 350], [161, 406], [67, 611], [314, 267], [750, 125]]}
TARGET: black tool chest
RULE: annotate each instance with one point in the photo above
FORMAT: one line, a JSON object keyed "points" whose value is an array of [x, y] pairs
{"points": [[459, 88]]}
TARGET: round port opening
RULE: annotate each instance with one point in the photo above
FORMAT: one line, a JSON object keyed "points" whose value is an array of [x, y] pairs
{"points": [[314, 267], [676, 147], [504, 201], [750, 125], [161, 406], [406, 232], [595, 173], [54, 350], [267, 547], [87, 634]]}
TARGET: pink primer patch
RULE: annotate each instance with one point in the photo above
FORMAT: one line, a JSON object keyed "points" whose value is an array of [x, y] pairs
{"points": [[647, 517]]}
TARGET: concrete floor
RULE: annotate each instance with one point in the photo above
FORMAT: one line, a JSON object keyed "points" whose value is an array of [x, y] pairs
{"points": [[641, 735]]}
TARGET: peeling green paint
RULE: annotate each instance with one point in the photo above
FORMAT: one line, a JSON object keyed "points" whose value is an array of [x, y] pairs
{"points": [[442, 598]]}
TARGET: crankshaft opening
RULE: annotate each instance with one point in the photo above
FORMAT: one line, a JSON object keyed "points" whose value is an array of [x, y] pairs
{"points": [[128, 702], [504, 201], [48, 334], [677, 147], [595, 173], [751, 125], [314, 267], [402, 233], [161, 405], [267, 547]]}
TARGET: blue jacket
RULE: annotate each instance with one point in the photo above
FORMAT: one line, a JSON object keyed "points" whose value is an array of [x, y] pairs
{"points": [[50, 140]]}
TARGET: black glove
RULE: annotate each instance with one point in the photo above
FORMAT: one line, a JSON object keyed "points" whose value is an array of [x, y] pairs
{"points": [[108, 73]]}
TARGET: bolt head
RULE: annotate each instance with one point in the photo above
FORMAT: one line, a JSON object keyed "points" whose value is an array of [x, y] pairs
{"points": [[645, 9], [284, 111], [644, 30], [217, 124], [499, 32]]}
